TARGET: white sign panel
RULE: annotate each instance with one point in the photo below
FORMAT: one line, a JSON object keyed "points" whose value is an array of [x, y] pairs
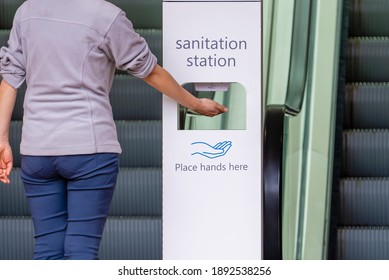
{"points": [[212, 166]]}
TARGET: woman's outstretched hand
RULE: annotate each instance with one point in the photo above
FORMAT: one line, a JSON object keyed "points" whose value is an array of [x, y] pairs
{"points": [[6, 163], [209, 107]]}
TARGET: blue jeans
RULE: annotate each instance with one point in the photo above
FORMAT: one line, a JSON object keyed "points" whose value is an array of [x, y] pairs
{"points": [[69, 199]]}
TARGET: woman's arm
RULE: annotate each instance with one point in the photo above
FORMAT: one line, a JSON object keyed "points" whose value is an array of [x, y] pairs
{"points": [[7, 104], [161, 80]]}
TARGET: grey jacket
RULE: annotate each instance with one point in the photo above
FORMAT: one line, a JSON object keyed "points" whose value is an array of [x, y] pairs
{"points": [[67, 51]]}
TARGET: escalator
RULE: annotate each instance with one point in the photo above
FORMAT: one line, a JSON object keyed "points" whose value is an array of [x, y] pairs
{"points": [[360, 208]]}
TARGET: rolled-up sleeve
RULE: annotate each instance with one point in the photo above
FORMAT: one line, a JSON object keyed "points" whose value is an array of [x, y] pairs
{"points": [[12, 63], [128, 49]]}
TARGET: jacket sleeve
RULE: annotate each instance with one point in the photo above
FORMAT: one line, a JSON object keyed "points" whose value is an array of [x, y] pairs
{"points": [[128, 49], [12, 63]]}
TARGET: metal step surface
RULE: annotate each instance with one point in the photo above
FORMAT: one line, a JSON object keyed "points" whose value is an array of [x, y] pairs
{"points": [[153, 38], [366, 106], [132, 239], [13, 201], [141, 143], [7, 11], [17, 238], [124, 238], [368, 59], [4, 36], [138, 193], [142, 13], [368, 17], [363, 243], [364, 202], [133, 99], [366, 153]]}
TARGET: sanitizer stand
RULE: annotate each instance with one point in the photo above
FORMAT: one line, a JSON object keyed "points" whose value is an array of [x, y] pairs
{"points": [[212, 168]]}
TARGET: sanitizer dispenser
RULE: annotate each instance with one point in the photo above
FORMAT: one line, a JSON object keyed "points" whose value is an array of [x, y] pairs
{"points": [[212, 167]]}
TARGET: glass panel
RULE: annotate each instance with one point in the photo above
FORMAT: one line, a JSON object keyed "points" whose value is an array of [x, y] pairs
{"points": [[299, 56]]}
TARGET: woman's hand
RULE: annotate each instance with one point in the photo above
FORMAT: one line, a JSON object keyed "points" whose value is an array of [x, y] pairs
{"points": [[210, 108], [6, 162]]}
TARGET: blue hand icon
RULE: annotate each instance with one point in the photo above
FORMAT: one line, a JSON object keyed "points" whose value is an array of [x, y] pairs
{"points": [[206, 150]]}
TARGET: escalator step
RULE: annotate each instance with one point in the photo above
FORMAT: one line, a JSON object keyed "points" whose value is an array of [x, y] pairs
{"points": [[133, 99], [368, 18], [141, 143], [123, 238], [16, 239], [138, 193], [4, 35], [142, 13], [153, 38], [7, 11], [368, 60], [363, 243], [12, 198], [366, 105], [364, 201], [366, 153], [132, 239]]}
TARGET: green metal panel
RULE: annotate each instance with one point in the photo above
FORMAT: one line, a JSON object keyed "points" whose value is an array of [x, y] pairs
{"points": [[319, 132], [279, 50]]}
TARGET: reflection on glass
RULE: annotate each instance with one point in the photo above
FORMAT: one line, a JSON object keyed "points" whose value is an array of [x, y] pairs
{"points": [[231, 95]]}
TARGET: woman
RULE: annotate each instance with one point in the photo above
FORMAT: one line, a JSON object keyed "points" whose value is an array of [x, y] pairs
{"points": [[68, 51]]}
